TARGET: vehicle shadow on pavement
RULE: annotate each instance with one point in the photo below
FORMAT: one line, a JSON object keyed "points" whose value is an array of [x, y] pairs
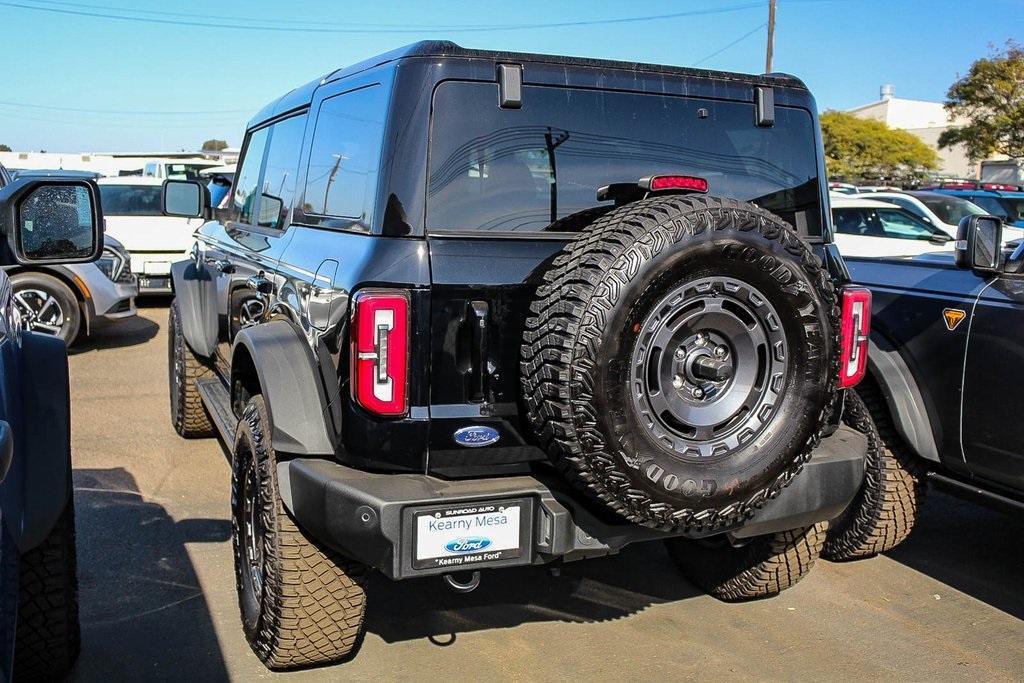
{"points": [[594, 590], [972, 548], [116, 334], [143, 612]]}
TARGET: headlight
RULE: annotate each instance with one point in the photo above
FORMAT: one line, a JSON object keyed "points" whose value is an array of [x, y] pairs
{"points": [[114, 264]]}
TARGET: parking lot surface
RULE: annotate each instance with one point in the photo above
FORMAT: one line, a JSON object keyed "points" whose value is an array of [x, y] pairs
{"points": [[158, 596]]}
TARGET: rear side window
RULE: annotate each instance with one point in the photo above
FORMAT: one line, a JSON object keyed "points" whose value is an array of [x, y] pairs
{"points": [[891, 223], [507, 170], [344, 158]]}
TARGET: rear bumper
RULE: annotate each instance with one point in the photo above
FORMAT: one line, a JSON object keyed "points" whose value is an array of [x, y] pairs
{"points": [[369, 517]]}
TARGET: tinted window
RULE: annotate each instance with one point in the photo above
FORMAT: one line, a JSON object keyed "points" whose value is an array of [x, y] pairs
{"points": [[521, 170], [248, 178], [279, 172], [992, 207], [131, 200], [892, 223], [345, 156], [951, 209]]}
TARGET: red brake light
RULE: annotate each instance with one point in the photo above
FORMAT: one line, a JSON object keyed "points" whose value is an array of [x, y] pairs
{"points": [[678, 182], [854, 330], [380, 351]]}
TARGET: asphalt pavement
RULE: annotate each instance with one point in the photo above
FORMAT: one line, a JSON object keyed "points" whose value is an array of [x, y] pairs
{"points": [[158, 596]]}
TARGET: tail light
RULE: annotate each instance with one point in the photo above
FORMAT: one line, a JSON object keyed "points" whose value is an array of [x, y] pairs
{"points": [[676, 182], [380, 351], [854, 330]]}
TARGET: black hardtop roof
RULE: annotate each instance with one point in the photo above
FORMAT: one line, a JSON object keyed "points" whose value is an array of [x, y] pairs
{"points": [[445, 48]]}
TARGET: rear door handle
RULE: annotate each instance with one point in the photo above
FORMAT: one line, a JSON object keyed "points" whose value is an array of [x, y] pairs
{"points": [[6, 448]]}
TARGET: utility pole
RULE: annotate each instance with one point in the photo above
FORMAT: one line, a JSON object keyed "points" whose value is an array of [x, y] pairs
{"points": [[771, 37]]}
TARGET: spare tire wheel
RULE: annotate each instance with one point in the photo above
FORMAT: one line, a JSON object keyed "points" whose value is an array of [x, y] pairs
{"points": [[679, 359]]}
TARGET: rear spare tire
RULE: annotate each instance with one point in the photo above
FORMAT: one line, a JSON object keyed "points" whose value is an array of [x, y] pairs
{"points": [[679, 360]]}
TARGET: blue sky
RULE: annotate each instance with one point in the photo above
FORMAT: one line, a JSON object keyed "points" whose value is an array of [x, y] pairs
{"points": [[86, 83]]}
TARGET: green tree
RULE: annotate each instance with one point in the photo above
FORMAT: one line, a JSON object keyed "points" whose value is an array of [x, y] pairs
{"points": [[214, 145], [865, 149], [5, 148], [991, 99]]}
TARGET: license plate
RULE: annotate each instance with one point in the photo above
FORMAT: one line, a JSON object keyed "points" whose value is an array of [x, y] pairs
{"points": [[156, 267], [154, 283], [467, 534]]}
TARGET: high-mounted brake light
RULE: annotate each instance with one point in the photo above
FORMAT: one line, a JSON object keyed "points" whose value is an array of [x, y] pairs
{"points": [[380, 351], [854, 330], [677, 182]]}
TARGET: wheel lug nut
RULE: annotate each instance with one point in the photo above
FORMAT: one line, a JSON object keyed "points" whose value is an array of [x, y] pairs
{"points": [[721, 351], [701, 338], [677, 382], [680, 353], [697, 392]]}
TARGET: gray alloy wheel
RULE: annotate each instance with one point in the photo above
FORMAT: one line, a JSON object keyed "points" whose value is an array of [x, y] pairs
{"points": [[40, 311], [46, 305], [708, 366]]}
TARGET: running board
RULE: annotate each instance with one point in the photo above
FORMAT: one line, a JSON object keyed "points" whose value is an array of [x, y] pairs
{"points": [[218, 404], [975, 492]]}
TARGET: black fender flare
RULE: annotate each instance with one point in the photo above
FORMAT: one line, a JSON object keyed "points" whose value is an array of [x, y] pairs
{"points": [[196, 292], [38, 485], [906, 404], [291, 387]]}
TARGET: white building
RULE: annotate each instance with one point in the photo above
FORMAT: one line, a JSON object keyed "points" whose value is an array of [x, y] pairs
{"points": [[924, 119], [106, 163]]}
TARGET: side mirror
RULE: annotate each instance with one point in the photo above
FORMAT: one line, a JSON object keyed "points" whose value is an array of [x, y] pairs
{"points": [[50, 220], [979, 242], [184, 198]]}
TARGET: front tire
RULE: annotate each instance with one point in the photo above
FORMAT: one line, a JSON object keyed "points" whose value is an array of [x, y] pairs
{"points": [[302, 604], [883, 513], [48, 638], [47, 305], [764, 566], [188, 414]]}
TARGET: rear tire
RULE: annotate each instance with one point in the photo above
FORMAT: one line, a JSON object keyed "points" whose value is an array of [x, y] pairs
{"points": [[883, 513], [188, 414], [47, 306], [765, 566], [302, 604], [48, 638]]}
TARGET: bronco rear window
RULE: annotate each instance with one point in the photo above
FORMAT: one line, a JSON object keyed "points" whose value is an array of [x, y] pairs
{"points": [[520, 170]]}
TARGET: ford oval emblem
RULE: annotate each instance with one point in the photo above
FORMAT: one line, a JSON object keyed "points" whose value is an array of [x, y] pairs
{"points": [[476, 436], [469, 544]]}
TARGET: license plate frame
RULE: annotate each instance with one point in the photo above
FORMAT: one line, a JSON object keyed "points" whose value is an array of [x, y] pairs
{"points": [[468, 556]]}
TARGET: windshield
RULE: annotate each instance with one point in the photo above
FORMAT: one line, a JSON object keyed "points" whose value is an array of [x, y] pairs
{"points": [[185, 171], [130, 200], [893, 223], [1009, 209], [951, 209], [521, 170]]}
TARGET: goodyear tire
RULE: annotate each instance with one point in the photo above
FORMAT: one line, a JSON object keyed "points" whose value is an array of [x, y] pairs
{"points": [[301, 604], [679, 360], [188, 414], [883, 513], [47, 636], [763, 567]]}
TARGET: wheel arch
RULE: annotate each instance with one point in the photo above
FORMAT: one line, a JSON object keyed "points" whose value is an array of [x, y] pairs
{"points": [[903, 397], [273, 359]]}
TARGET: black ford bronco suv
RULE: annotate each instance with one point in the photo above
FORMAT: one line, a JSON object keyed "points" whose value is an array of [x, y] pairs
{"points": [[43, 221], [471, 310], [946, 366]]}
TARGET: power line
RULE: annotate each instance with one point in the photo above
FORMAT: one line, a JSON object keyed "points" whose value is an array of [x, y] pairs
{"points": [[129, 112], [125, 15], [735, 42]]}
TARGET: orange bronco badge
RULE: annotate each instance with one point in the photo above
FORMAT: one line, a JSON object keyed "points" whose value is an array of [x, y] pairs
{"points": [[953, 317]]}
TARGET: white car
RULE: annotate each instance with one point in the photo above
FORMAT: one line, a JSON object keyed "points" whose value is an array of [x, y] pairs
{"points": [[131, 205], [177, 169], [868, 227], [942, 210]]}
